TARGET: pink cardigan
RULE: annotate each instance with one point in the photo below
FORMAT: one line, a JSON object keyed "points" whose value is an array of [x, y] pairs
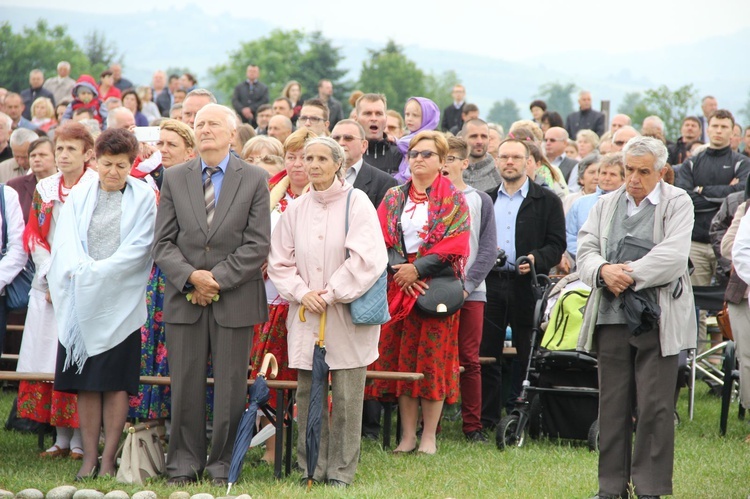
{"points": [[308, 251]]}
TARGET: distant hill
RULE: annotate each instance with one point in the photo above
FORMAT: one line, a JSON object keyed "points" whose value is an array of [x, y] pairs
{"points": [[165, 38]]}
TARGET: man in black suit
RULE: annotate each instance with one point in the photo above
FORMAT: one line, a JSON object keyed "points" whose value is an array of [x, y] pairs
{"points": [[452, 113], [249, 95], [530, 222], [351, 136], [585, 118], [555, 141], [165, 98], [335, 111]]}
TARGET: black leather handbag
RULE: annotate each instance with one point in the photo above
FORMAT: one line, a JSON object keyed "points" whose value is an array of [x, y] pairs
{"points": [[445, 295]]}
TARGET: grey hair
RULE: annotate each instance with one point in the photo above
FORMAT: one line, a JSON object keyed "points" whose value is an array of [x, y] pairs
{"points": [[589, 160], [498, 129], [22, 136], [642, 146], [229, 115], [613, 159], [113, 114], [63, 64], [584, 92], [625, 128], [337, 152], [36, 71], [8, 120], [263, 142], [201, 92], [659, 122]]}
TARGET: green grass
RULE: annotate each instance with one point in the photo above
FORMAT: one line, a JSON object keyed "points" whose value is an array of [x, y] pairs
{"points": [[706, 466]]}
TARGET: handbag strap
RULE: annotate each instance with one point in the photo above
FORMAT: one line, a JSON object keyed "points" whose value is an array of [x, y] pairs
{"points": [[4, 247], [346, 219]]}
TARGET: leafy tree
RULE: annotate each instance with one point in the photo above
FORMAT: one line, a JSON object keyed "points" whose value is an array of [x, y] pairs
{"points": [[282, 56], [745, 111], [179, 71], [101, 53], [438, 87], [390, 72], [504, 113], [630, 103], [41, 47], [670, 106], [558, 97]]}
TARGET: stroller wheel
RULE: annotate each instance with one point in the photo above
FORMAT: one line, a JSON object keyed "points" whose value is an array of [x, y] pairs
{"points": [[509, 434], [593, 439]]}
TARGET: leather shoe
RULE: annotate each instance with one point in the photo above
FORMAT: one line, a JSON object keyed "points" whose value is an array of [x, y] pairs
{"points": [[219, 482], [55, 451], [332, 482], [180, 480], [476, 437]]}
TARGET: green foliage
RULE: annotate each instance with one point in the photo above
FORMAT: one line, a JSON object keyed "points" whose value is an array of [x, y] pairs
{"points": [[39, 47], [558, 97], [438, 87], [670, 106], [504, 113], [391, 73], [745, 111], [630, 103], [101, 53], [282, 56]]}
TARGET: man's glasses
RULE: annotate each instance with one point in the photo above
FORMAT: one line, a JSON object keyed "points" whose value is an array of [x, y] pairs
{"points": [[425, 154], [345, 137], [311, 119], [268, 159], [620, 143], [451, 159], [553, 140]]}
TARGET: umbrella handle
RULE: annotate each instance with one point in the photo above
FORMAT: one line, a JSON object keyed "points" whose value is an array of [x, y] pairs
{"points": [[269, 359], [322, 329]]}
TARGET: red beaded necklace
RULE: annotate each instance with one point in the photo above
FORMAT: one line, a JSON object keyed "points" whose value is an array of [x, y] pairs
{"points": [[417, 197], [60, 193]]}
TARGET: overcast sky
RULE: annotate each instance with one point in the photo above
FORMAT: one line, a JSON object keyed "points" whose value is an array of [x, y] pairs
{"points": [[508, 29]]}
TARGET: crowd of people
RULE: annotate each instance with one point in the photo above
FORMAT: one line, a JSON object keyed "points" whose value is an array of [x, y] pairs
{"points": [[192, 256]]}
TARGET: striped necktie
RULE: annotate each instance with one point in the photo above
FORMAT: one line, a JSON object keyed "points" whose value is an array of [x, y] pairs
{"points": [[208, 194]]}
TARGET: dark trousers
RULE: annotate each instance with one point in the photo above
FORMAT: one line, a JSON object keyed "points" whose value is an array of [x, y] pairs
{"points": [[469, 338], [632, 370], [3, 323], [509, 302]]}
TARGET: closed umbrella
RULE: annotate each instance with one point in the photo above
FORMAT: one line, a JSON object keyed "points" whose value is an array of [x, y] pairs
{"points": [[318, 390], [259, 394]]}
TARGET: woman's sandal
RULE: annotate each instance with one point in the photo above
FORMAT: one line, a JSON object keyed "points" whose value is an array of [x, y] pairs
{"points": [[75, 455], [92, 474]]}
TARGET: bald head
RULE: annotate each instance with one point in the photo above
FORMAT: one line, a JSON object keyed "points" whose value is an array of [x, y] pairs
{"points": [[121, 117], [555, 142], [619, 121], [279, 127], [622, 136]]}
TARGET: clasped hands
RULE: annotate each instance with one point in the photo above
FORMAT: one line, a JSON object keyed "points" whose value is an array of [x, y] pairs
{"points": [[616, 277], [205, 287], [407, 278]]}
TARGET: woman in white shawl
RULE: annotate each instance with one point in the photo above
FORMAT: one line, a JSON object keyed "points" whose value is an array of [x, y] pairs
{"points": [[100, 266]]}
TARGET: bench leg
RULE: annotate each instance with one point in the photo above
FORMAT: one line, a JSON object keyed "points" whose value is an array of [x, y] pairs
{"points": [[289, 418], [279, 433]]}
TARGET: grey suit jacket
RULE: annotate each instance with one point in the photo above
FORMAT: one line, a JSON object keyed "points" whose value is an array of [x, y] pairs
{"points": [[233, 250], [566, 167], [374, 183]]}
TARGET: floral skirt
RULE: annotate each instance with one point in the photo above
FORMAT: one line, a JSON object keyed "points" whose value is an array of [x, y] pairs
{"points": [[39, 402], [270, 337], [423, 344], [153, 401]]}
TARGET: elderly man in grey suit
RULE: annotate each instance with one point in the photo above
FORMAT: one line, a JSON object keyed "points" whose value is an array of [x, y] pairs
{"points": [[212, 237], [633, 367]]}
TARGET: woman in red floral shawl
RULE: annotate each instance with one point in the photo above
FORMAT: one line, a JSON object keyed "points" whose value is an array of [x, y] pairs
{"points": [[433, 218]]}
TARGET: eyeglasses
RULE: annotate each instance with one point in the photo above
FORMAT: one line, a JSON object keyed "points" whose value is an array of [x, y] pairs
{"points": [[425, 154], [451, 159], [345, 137], [503, 158], [268, 159], [620, 143], [553, 140], [311, 119]]}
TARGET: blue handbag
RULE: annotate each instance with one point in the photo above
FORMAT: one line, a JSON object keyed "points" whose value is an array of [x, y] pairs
{"points": [[372, 307], [17, 291]]}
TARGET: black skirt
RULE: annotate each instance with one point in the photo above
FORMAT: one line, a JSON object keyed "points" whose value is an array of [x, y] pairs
{"points": [[115, 370]]}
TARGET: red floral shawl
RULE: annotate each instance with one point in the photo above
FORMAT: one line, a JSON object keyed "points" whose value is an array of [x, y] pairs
{"points": [[447, 234]]}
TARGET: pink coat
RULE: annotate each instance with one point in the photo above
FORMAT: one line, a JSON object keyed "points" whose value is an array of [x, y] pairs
{"points": [[308, 251]]}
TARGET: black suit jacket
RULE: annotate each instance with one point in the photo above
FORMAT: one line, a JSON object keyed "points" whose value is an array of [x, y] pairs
{"points": [[243, 97], [374, 183], [566, 167], [452, 117], [540, 227], [164, 102], [25, 187]]}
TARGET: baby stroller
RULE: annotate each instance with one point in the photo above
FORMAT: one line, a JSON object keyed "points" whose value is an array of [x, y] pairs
{"points": [[564, 402]]}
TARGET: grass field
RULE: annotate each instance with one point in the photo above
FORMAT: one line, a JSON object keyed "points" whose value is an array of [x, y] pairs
{"points": [[706, 466]]}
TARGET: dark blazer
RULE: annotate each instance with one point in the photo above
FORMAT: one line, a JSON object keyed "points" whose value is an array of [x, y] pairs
{"points": [[335, 112], [243, 97], [164, 102], [585, 120], [540, 227], [452, 118], [233, 250], [374, 183], [566, 167], [25, 187]]}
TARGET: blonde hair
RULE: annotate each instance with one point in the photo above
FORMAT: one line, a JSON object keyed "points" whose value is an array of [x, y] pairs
{"points": [[296, 141], [530, 126], [589, 136], [185, 132], [48, 107], [441, 143]]}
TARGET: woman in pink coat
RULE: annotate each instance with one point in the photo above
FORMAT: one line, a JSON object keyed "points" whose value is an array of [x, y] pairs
{"points": [[308, 266]]}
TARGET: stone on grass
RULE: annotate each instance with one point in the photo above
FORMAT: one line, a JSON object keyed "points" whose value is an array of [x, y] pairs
{"points": [[61, 492], [243, 496], [88, 494], [145, 494], [202, 496], [117, 494], [179, 495], [6, 494], [30, 494]]}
